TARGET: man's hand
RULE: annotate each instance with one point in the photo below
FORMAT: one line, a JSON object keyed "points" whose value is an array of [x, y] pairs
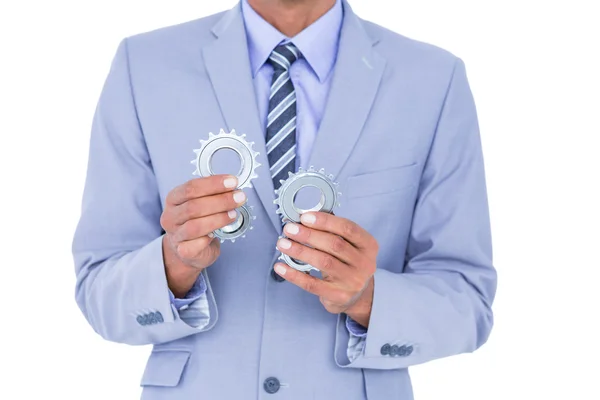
{"points": [[346, 255], [192, 212]]}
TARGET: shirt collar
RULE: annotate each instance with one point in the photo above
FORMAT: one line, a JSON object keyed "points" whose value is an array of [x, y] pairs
{"points": [[318, 43]]}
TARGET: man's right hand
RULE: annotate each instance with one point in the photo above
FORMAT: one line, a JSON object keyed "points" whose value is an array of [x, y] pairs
{"points": [[192, 212]]}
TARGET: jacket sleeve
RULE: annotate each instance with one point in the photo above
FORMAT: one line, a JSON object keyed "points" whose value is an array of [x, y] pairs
{"points": [[441, 304], [121, 284]]}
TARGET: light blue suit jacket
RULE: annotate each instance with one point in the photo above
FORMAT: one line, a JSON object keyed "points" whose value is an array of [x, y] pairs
{"points": [[400, 133]]}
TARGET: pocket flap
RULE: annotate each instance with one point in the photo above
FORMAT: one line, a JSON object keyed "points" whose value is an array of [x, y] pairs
{"points": [[382, 182], [165, 367]]}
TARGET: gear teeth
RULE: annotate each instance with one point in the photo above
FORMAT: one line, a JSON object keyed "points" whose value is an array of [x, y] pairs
{"points": [[239, 138]]}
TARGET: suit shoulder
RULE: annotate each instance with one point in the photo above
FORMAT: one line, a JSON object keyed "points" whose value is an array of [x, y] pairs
{"points": [[180, 36], [402, 49]]}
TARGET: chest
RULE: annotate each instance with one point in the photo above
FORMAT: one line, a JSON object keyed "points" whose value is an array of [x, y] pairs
{"points": [[379, 176]]}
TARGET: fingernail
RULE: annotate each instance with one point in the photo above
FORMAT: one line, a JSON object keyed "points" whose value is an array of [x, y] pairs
{"points": [[211, 235], [280, 269], [239, 197], [232, 214], [308, 219], [284, 244], [292, 229], [230, 183]]}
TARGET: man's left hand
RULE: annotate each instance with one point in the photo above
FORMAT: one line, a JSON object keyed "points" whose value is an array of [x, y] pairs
{"points": [[345, 254]]}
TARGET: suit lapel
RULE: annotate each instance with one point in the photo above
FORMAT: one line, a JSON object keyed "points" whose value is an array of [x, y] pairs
{"points": [[356, 79], [228, 67]]}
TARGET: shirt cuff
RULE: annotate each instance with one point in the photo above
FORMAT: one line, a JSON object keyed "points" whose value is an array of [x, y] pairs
{"points": [[194, 294], [355, 328]]}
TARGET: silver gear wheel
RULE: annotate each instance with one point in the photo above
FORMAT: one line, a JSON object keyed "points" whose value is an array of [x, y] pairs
{"points": [[239, 228], [232, 141], [237, 143], [296, 264], [290, 213], [291, 186]]}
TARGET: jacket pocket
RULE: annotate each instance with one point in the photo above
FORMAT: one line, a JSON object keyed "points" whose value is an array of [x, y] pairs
{"points": [[165, 368], [383, 181]]}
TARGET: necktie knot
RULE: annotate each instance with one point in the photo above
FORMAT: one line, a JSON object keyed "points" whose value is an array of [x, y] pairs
{"points": [[283, 56]]}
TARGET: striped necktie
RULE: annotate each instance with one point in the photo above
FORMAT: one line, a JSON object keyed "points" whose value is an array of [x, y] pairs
{"points": [[281, 120]]}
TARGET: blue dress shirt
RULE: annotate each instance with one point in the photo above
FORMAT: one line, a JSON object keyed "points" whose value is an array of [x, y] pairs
{"points": [[311, 74]]}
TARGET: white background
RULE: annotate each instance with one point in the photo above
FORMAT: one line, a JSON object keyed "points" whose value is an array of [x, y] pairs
{"points": [[534, 69]]}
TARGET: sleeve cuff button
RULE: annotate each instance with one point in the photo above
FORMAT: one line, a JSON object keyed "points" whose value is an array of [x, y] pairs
{"points": [[385, 349]]}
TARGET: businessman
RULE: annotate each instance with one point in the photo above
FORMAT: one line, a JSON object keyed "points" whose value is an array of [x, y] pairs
{"points": [[406, 261]]}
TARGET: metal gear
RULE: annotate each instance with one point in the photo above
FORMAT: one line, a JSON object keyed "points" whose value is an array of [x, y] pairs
{"points": [[286, 195], [239, 228], [290, 187], [232, 141], [296, 264], [203, 161]]}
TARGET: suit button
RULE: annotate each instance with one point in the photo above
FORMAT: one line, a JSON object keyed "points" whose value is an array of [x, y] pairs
{"points": [[140, 320], [401, 351], [276, 277], [409, 351], [159, 317], [385, 349], [271, 385], [394, 351]]}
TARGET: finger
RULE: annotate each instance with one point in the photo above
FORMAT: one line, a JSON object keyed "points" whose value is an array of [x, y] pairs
{"points": [[305, 281], [190, 249], [324, 241], [209, 205], [323, 261], [199, 227], [201, 187], [343, 227]]}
